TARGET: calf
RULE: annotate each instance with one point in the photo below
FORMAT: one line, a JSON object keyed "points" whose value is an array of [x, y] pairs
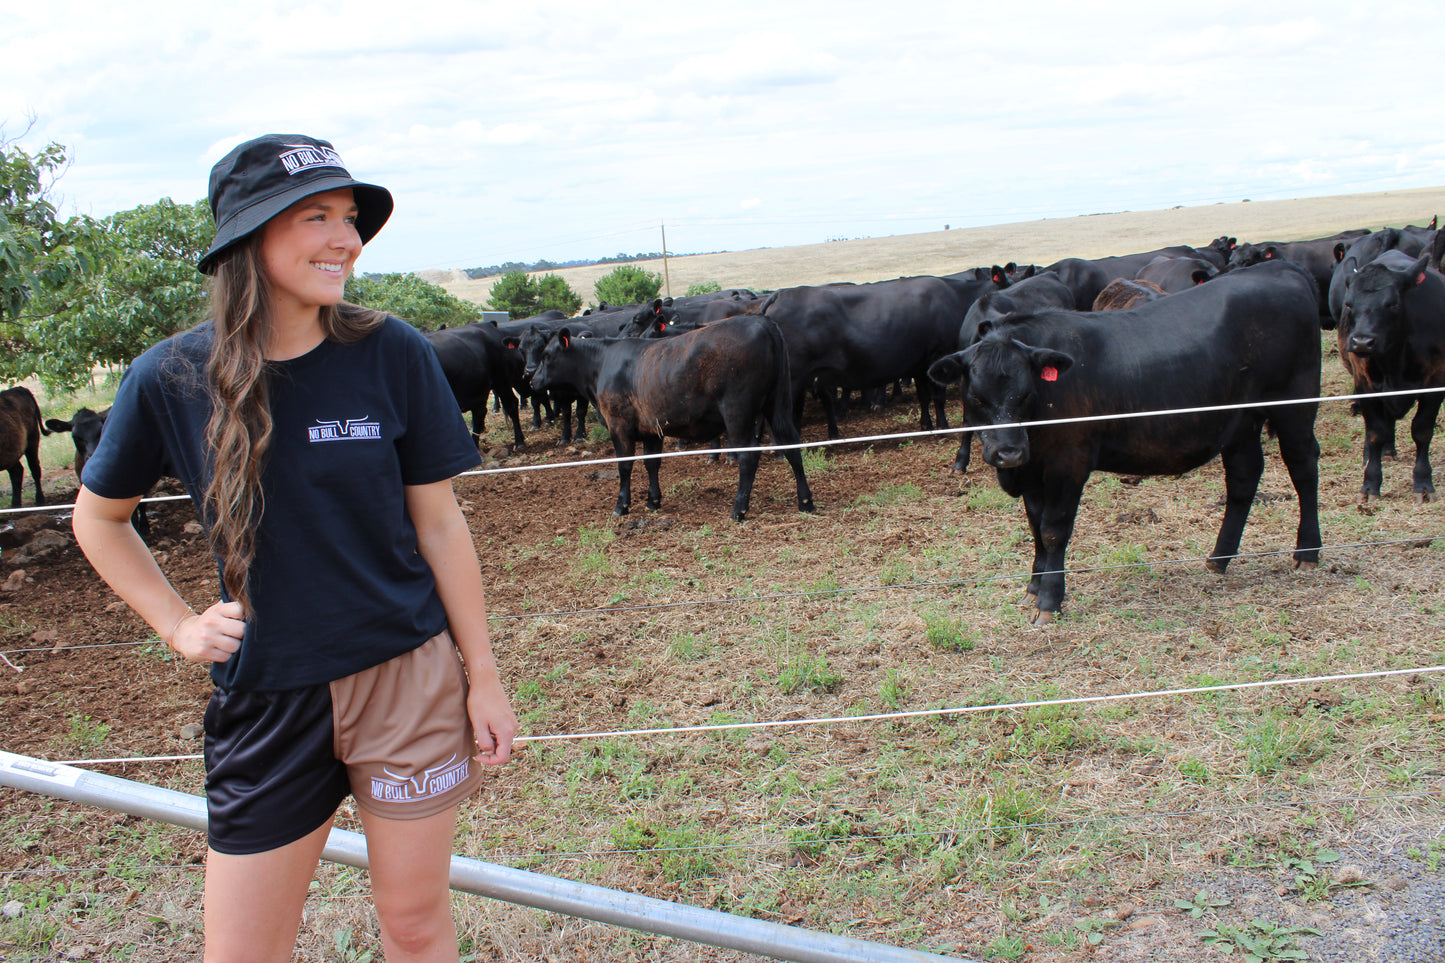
{"points": [[20, 431], [716, 380], [1247, 336], [85, 428], [1392, 338]]}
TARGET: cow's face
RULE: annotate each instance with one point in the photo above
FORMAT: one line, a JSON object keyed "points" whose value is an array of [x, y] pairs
{"points": [[556, 361], [1375, 306], [1001, 380], [85, 429]]}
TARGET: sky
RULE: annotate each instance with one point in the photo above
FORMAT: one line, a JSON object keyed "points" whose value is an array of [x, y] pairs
{"points": [[519, 131]]}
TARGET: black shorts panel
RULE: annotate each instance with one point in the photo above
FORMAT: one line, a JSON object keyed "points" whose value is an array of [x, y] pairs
{"points": [[272, 775]]}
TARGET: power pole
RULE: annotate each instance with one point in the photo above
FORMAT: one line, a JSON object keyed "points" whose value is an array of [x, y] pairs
{"points": [[666, 279]]}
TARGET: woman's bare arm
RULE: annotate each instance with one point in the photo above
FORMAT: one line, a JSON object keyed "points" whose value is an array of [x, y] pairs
{"points": [[103, 531]]}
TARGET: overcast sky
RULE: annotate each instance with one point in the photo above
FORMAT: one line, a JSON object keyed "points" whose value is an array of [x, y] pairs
{"points": [[518, 131]]}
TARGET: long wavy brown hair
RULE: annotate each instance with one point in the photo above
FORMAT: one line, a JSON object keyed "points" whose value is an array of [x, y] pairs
{"points": [[239, 431]]}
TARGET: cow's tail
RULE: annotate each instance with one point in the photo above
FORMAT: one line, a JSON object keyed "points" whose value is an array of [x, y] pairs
{"points": [[781, 419], [34, 413]]}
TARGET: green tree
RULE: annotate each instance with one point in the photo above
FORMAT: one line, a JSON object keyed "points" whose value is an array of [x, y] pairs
{"points": [[146, 289], [702, 287], [426, 305], [39, 253], [554, 294], [628, 284], [515, 293]]}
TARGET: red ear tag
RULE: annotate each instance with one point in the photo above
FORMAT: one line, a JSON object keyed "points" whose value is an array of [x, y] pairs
{"points": [[1049, 373], [566, 342], [662, 325]]}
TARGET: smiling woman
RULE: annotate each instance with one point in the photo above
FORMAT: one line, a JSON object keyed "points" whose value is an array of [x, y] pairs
{"points": [[319, 440]]}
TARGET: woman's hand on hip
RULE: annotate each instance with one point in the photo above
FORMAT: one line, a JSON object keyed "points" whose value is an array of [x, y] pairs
{"points": [[210, 636]]}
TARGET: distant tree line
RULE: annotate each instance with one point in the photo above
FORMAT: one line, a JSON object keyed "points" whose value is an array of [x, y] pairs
{"points": [[511, 267]]}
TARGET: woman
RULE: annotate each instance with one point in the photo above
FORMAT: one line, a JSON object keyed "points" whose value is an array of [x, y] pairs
{"points": [[318, 440]]}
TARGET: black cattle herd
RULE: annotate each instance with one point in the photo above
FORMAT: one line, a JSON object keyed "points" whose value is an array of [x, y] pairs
{"points": [[1179, 329]]}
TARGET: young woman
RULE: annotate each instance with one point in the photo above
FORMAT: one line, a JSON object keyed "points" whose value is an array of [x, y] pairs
{"points": [[318, 440]]}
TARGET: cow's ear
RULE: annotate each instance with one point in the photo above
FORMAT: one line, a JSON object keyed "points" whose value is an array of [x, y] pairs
{"points": [[564, 337], [998, 274], [1417, 270], [984, 327], [1339, 252], [949, 369], [1011, 267], [657, 306], [511, 342], [1269, 252], [1200, 276], [1029, 271], [1048, 364]]}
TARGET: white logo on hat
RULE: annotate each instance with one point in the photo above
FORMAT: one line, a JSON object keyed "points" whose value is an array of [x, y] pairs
{"points": [[303, 157]]}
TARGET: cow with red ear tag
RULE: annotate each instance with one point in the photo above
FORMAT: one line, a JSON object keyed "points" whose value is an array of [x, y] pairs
{"points": [[1248, 336], [1392, 338]]}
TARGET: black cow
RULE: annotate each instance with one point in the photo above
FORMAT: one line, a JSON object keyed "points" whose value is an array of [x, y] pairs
{"points": [[1317, 256], [870, 335], [717, 380], [1039, 292], [476, 362], [1392, 338], [690, 311], [1350, 256], [1175, 274], [86, 427], [1248, 336], [563, 398], [20, 431]]}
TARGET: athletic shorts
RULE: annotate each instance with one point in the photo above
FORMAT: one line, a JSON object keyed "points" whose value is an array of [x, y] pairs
{"points": [[395, 736]]}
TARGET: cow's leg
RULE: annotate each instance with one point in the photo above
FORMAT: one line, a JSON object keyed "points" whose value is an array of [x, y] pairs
{"points": [[32, 458], [1422, 430], [1056, 508], [536, 400], [1379, 432], [747, 472], [787, 434], [623, 448], [652, 445], [17, 478], [509, 405], [566, 422], [1243, 465], [1301, 454]]}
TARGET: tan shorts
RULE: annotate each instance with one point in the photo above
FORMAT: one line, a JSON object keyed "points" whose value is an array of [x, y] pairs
{"points": [[403, 732]]}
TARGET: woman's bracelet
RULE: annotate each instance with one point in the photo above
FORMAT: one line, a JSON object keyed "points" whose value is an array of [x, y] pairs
{"points": [[171, 637]]}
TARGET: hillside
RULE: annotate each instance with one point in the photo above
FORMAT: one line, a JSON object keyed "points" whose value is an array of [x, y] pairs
{"points": [[1039, 242]]}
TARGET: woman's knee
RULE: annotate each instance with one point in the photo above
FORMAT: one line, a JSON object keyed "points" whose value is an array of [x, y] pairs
{"points": [[414, 922]]}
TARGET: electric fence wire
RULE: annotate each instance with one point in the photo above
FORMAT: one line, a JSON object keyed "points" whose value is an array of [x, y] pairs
{"points": [[885, 716], [860, 439]]}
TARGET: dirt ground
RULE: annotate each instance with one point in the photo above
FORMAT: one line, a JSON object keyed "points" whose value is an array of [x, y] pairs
{"points": [[681, 617]]}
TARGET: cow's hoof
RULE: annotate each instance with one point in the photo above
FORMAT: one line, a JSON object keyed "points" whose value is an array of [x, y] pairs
{"points": [[1042, 618], [1421, 498], [806, 506], [1217, 566], [1307, 566], [739, 517], [1365, 497], [618, 512]]}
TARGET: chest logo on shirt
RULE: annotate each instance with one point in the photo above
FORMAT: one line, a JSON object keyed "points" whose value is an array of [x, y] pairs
{"points": [[353, 429]]}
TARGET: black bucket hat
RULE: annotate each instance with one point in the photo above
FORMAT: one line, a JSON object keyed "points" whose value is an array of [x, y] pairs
{"points": [[262, 177]]}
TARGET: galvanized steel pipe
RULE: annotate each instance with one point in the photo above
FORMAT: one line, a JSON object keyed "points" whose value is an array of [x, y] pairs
{"points": [[518, 886]]}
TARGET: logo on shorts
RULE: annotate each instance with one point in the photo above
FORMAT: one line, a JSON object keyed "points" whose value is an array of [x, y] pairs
{"points": [[431, 782], [353, 429], [303, 157]]}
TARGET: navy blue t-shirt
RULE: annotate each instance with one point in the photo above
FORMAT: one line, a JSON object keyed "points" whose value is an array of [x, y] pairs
{"points": [[336, 584]]}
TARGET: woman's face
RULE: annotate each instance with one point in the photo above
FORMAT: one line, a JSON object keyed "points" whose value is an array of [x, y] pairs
{"points": [[308, 250]]}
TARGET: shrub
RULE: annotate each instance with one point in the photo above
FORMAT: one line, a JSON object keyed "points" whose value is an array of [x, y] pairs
{"points": [[425, 305], [628, 284]]}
